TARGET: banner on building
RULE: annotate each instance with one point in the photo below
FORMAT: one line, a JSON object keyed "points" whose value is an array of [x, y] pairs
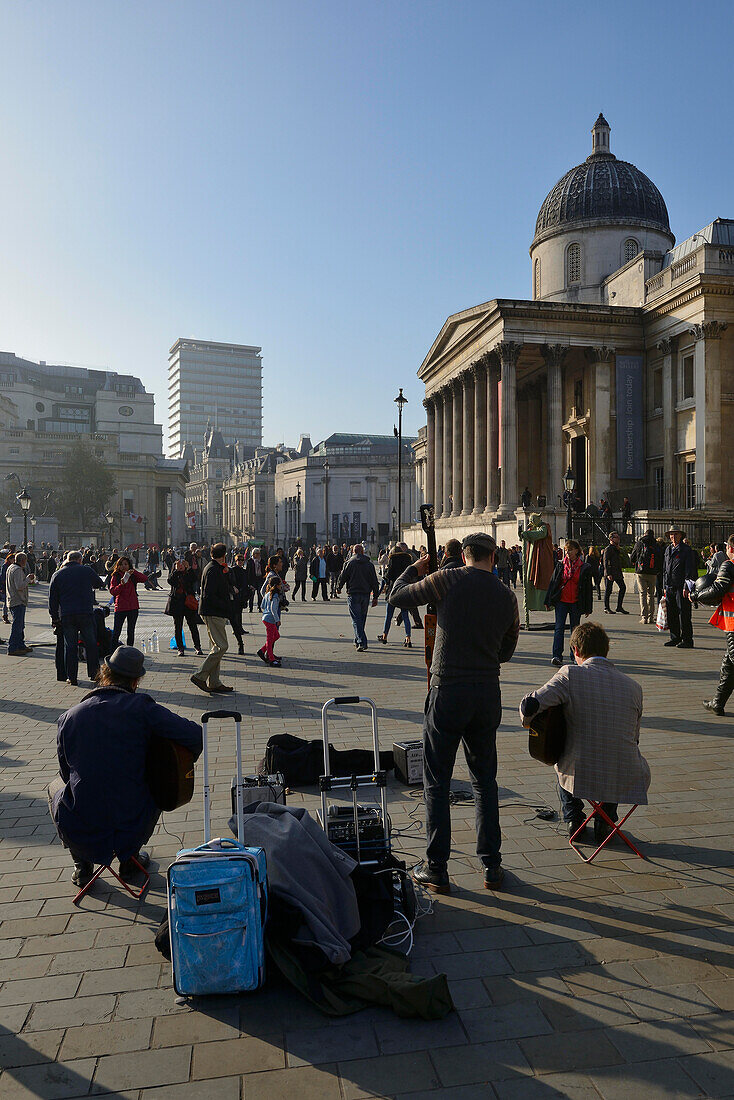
{"points": [[356, 525], [190, 519], [630, 431]]}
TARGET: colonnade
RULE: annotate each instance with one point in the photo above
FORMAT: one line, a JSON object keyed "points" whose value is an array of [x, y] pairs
{"points": [[472, 434]]}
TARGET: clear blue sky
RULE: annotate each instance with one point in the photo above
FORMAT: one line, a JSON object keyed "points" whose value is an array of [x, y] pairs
{"points": [[326, 179]]}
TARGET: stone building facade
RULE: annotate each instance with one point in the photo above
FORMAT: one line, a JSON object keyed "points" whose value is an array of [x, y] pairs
{"points": [[46, 409], [621, 366]]}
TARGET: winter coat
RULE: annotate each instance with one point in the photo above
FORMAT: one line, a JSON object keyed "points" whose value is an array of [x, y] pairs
{"points": [[102, 745], [71, 591], [585, 596], [216, 592], [125, 592]]}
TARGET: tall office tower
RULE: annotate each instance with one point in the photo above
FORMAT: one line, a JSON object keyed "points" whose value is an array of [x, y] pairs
{"points": [[214, 384]]}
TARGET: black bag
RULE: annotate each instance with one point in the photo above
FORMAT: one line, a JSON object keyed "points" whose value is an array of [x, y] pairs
{"points": [[301, 762], [547, 735]]}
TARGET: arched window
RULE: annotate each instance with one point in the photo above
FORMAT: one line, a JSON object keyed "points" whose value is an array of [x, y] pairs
{"points": [[631, 248], [536, 280], [573, 264]]}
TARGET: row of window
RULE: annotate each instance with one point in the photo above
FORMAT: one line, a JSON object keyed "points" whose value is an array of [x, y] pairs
{"points": [[630, 248], [686, 382]]}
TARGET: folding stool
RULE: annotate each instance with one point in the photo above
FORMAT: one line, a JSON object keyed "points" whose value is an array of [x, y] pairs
{"points": [[616, 829], [106, 867]]}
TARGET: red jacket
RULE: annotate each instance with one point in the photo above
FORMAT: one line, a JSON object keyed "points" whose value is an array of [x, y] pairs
{"points": [[126, 596]]}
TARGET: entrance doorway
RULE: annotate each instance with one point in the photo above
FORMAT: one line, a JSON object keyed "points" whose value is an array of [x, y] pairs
{"points": [[578, 465]]}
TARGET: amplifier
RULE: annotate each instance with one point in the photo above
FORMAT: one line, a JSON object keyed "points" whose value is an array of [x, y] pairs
{"points": [[259, 788], [408, 756], [342, 830]]}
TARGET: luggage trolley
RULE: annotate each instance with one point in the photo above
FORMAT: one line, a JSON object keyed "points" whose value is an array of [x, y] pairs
{"points": [[362, 831]]}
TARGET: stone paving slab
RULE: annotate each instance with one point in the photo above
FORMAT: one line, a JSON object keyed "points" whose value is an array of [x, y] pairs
{"points": [[608, 980]]}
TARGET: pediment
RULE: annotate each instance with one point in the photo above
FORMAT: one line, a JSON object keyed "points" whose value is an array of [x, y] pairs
{"points": [[457, 332]]}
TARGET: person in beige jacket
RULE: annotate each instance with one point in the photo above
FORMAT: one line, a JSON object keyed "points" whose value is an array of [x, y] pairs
{"points": [[603, 708]]}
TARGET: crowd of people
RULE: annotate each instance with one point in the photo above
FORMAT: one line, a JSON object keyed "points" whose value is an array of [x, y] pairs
{"points": [[477, 631]]}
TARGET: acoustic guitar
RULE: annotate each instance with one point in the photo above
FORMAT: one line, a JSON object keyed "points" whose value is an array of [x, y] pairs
{"points": [[169, 773], [430, 619], [547, 735]]}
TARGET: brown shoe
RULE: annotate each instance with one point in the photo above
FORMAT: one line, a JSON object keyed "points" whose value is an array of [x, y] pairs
{"points": [[220, 689], [200, 683]]}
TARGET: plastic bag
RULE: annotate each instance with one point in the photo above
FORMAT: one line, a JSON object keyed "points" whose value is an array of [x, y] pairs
{"points": [[662, 619]]}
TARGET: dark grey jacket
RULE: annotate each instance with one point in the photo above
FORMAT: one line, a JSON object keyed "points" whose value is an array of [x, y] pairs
{"points": [[359, 576]]}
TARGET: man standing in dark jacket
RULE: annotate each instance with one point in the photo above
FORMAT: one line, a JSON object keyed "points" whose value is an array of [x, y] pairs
{"points": [[100, 802], [646, 558], [477, 630], [680, 572], [612, 568], [215, 609], [334, 565], [720, 593], [71, 607], [361, 580]]}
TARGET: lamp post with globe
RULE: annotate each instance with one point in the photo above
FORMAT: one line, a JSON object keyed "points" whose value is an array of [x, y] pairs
{"points": [[568, 482], [24, 501]]}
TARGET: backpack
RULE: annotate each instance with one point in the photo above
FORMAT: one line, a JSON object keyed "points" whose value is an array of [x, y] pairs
{"points": [[646, 561]]}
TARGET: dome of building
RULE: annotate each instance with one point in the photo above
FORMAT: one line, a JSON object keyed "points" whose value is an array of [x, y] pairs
{"points": [[602, 189]]}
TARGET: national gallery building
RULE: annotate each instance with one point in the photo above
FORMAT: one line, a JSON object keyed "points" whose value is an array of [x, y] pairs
{"points": [[621, 366]]}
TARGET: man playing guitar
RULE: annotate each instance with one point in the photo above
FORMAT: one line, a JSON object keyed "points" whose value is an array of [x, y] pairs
{"points": [[101, 803], [477, 630]]}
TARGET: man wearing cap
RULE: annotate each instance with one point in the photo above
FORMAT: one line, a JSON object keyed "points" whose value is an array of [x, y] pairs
{"points": [[477, 630], [100, 801], [680, 572]]}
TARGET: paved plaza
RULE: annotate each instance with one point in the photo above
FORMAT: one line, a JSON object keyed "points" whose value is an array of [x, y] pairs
{"points": [[614, 980]]}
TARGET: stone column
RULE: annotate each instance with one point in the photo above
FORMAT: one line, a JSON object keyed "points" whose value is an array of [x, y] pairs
{"points": [[436, 489], [467, 493], [554, 354], [447, 449], [493, 435], [480, 437], [457, 449], [430, 464], [602, 440], [707, 373], [666, 347], [371, 517], [508, 351], [178, 518]]}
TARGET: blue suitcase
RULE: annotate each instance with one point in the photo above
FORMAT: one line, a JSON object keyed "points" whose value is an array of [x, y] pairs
{"points": [[217, 903]]}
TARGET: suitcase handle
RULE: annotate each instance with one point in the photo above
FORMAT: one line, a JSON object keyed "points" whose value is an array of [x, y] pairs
{"points": [[220, 842], [222, 714]]}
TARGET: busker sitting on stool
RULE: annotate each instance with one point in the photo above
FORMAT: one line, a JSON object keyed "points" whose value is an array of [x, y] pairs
{"points": [[100, 802], [601, 760]]}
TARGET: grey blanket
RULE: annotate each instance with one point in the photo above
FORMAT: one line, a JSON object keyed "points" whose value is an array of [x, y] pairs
{"points": [[307, 871]]}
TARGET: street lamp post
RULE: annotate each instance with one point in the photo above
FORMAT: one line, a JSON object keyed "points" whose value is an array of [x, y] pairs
{"points": [[8, 520], [276, 525], [145, 531], [394, 517], [326, 500], [33, 521], [110, 520], [24, 501], [569, 481], [400, 401], [298, 517]]}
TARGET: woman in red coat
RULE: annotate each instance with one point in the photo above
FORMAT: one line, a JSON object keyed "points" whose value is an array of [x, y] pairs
{"points": [[123, 587]]}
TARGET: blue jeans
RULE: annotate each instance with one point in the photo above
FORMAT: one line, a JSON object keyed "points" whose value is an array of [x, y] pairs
{"points": [[73, 626], [17, 630], [358, 608], [467, 713], [390, 610], [564, 611]]}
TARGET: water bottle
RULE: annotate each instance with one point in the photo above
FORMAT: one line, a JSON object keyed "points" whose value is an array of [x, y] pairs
{"points": [[154, 648], [144, 646]]}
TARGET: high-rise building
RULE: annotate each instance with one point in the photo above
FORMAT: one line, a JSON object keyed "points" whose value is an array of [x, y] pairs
{"points": [[214, 385]]}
